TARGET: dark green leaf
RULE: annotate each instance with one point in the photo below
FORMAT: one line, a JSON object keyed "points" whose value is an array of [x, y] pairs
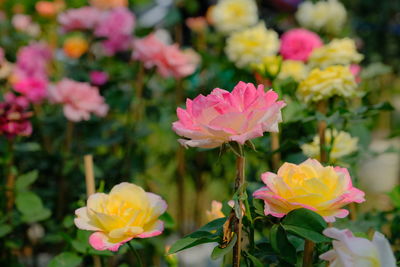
{"points": [[220, 252], [5, 229], [256, 262], [168, 220], [306, 234], [26, 180], [281, 244]]}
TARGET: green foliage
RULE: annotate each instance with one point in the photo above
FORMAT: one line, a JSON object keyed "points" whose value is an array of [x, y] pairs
{"points": [[65, 259], [281, 244]]}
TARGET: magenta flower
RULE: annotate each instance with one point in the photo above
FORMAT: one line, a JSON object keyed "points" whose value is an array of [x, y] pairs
{"points": [[98, 78], [14, 117], [79, 100], [84, 18], [298, 44], [243, 114], [34, 89], [32, 61]]}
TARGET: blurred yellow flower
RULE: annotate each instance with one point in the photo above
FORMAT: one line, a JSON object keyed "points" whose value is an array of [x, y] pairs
{"points": [[320, 84], [107, 4], [343, 144], [269, 65], [127, 212], [293, 68], [75, 46], [328, 16], [215, 212], [337, 52], [252, 46], [232, 15]]}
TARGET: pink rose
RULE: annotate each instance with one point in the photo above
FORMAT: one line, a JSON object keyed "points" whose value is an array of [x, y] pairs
{"points": [[34, 89], [14, 117], [32, 61], [355, 69], [21, 21], [79, 100], [220, 117], [98, 77], [84, 18], [298, 44], [148, 50]]}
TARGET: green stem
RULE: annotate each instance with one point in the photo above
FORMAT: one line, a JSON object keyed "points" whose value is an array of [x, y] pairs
{"points": [[134, 251]]}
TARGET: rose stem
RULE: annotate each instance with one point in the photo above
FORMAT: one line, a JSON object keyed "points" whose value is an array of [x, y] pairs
{"points": [[10, 178], [308, 253], [276, 156], [90, 190], [237, 222], [139, 260]]}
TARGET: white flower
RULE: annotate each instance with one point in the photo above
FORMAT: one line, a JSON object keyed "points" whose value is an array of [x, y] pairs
{"points": [[349, 251]]}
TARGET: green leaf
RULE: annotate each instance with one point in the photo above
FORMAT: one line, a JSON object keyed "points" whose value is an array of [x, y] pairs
{"points": [[395, 196], [5, 229], [28, 203], [40, 215], [168, 220], [256, 262], [306, 224], [65, 259], [26, 180], [219, 252], [213, 225], [281, 244]]}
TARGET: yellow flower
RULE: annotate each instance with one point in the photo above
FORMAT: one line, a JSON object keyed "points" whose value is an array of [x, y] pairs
{"points": [[337, 52], [343, 144], [233, 15], [107, 4], [75, 47], [328, 16], [127, 212], [215, 212], [252, 45], [269, 64], [293, 68], [324, 190], [322, 84]]}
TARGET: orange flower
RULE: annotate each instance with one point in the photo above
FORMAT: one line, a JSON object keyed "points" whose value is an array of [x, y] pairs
{"points": [[75, 47], [49, 9], [107, 4]]}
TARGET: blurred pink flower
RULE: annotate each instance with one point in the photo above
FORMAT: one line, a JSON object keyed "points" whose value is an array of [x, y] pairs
{"points": [[35, 90], [79, 99], [32, 61], [298, 44], [355, 69], [2, 56], [21, 21], [169, 59], [84, 18], [197, 24], [117, 26], [98, 77], [220, 117], [14, 117]]}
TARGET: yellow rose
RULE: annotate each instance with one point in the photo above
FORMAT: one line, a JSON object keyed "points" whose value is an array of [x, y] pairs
{"points": [[293, 68], [215, 212], [75, 47], [322, 84], [252, 45], [107, 4], [343, 144], [337, 52], [232, 15], [269, 64], [328, 16], [127, 212], [324, 190]]}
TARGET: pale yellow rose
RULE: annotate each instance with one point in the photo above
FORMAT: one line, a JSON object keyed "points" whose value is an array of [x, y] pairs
{"points": [[343, 144], [269, 65], [294, 69], [232, 15], [320, 84], [127, 212], [107, 4], [252, 45], [337, 52], [327, 16]]}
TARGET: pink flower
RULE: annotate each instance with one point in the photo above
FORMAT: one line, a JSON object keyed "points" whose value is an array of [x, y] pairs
{"points": [[2, 57], [117, 26], [84, 18], [243, 114], [355, 69], [168, 59], [79, 100], [34, 89], [14, 117], [21, 21], [298, 44], [324, 190], [98, 77], [349, 250], [32, 61]]}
